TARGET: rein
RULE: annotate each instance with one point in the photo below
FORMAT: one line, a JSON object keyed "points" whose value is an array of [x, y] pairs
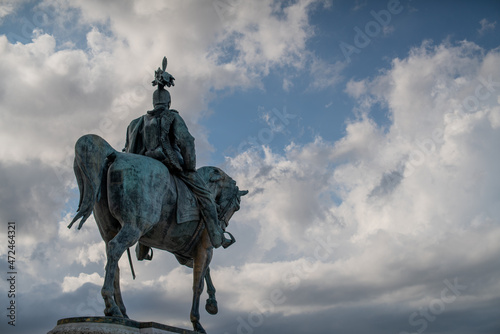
{"points": [[130, 261], [226, 208]]}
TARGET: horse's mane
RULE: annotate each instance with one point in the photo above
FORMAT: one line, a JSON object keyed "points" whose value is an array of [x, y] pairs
{"points": [[212, 174], [214, 177]]}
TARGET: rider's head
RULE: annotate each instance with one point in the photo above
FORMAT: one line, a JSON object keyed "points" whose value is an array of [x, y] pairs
{"points": [[161, 98]]}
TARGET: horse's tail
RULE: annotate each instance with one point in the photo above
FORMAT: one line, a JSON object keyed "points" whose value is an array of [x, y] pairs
{"points": [[91, 156]]}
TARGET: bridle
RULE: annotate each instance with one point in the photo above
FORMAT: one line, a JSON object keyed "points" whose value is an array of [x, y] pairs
{"points": [[230, 203]]}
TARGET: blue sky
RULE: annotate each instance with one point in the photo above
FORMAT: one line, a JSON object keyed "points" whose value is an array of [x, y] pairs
{"points": [[374, 195], [331, 27]]}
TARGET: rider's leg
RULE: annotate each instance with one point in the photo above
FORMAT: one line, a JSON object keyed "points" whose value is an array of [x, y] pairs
{"points": [[208, 208]]}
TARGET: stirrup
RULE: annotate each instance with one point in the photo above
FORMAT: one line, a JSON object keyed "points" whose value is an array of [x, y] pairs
{"points": [[149, 257], [226, 242]]}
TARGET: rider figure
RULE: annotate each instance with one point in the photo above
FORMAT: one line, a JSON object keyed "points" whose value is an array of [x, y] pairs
{"points": [[162, 134]]}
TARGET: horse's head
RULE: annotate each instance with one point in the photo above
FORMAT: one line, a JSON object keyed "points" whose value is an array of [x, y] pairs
{"points": [[226, 193]]}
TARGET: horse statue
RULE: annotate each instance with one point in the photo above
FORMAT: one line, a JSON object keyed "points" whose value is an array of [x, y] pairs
{"points": [[134, 199]]}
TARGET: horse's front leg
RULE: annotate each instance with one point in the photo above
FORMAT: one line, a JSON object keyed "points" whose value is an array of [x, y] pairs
{"points": [[115, 248], [202, 258], [211, 305]]}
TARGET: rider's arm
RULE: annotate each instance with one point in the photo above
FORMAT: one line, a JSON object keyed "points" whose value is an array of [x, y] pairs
{"points": [[185, 142]]}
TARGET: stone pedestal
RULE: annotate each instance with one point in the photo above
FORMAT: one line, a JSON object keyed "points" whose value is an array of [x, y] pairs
{"points": [[110, 325]]}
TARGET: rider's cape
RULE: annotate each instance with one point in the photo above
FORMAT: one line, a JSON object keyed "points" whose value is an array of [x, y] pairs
{"points": [[134, 142], [174, 134]]}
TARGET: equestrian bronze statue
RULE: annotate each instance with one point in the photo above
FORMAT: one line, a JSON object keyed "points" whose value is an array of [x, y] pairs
{"points": [[152, 195]]}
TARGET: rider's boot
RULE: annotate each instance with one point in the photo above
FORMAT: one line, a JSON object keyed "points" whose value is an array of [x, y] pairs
{"points": [[216, 235], [142, 252]]}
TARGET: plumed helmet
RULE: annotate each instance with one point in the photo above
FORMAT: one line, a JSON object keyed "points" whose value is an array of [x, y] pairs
{"points": [[161, 97], [162, 77]]}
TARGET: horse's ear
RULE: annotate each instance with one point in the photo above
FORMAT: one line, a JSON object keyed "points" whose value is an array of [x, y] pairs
{"points": [[242, 192]]}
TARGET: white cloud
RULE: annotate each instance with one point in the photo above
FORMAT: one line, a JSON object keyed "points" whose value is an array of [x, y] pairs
{"points": [[287, 84], [325, 75], [356, 88], [359, 5], [94, 252], [76, 92], [47, 100], [71, 283], [88, 69], [399, 209], [486, 26], [264, 34], [405, 208], [8, 7], [387, 30]]}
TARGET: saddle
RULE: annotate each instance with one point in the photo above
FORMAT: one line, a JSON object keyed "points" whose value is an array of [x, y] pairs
{"points": [[187, 205]]}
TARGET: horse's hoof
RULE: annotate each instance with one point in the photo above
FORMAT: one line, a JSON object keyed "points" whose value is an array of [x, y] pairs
{"points": [[198, 328], [113, 312], [211, 306]]}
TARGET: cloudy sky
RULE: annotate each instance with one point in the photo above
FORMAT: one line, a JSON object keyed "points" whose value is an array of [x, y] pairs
{"points": [[367, 133]]}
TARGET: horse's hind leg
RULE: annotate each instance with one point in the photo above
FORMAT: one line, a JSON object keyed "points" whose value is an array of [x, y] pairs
{"points": [[118, 293], [211, 305], [201, 259], [115, 248]]}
